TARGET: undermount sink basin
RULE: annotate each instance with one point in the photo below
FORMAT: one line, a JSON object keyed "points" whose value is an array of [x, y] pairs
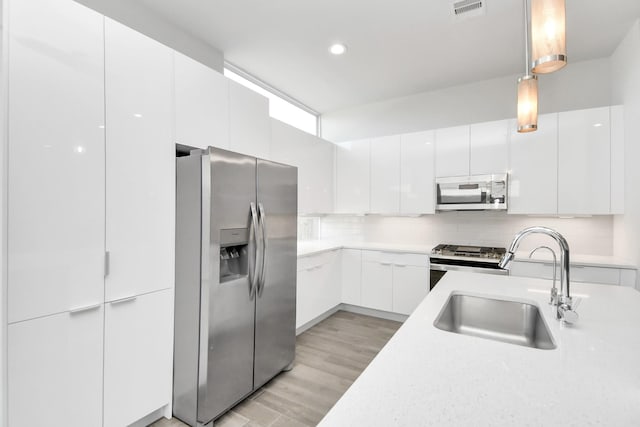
{"points": [[512, 322]]}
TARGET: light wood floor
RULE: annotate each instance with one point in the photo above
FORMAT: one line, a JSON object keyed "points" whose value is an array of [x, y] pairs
{"points": [[329, 357]]}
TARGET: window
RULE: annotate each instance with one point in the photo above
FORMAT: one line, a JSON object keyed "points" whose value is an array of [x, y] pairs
{"points": [[281, 107]]}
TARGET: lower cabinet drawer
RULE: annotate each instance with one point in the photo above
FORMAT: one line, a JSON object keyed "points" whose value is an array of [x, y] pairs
{"points": [[578, 273], [608, 276]]}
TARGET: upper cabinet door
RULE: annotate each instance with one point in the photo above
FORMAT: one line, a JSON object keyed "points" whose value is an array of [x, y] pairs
{"points": [[56, 147], [533, 180], [249, 122], [452, 151], [140, 163], [617, 159], [584, 163], [322, 175], [489, 147], [385, 175], [202, 104], [352, 177], [417, 171]]}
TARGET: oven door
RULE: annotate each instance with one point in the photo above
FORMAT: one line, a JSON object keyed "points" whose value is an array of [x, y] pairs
{"points": [[439, 270]]}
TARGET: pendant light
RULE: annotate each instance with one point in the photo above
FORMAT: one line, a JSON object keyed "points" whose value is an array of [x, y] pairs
{"points": [[527, 87], [548, 36]]}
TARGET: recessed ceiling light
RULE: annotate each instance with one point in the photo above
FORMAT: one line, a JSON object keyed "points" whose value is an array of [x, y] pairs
{"points": [[597, 125], [337, 49]]}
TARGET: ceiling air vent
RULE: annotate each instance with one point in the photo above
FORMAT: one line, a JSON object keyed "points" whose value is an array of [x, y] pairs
{"points": [[468, 8]]}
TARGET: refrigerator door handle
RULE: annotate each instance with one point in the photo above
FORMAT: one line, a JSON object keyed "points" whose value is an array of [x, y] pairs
{"points": [[263, 228], [253, 278]]}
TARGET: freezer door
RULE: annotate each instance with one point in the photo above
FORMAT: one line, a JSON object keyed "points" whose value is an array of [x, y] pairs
{"points": [[276, 296], [228, 307]]}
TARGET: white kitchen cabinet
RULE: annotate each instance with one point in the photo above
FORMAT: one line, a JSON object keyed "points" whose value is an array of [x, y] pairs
{"points": [[56, 146], [417, 173], [628, 277], [584, 162], [138, 362], [314, 159], [318, 172], [410, 282], [578, 273], [377, 280], [452, 151], [140, 220], [318, 286], [617, 159], [55, 370], [352, 177], [533, 164], [304, 296], [489, 150], [351, 279], [249, 122], [385, 175], [201, 104]]}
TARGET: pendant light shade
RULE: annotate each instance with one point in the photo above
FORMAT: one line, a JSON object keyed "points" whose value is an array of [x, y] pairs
{"points": [[548, 38], [527, 104], [527, 87]]}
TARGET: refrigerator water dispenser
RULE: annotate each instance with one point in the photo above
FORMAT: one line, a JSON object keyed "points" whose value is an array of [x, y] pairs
{"points": [[234, 254]]}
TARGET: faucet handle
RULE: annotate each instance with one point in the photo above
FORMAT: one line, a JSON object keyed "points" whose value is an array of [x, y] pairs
{"points": [[567, 310], [568, 316]]}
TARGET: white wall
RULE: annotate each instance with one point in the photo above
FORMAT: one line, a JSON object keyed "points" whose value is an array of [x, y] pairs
{"points": [[579, 85], [625, 89], [134, 15], [3, 210], [586, 236]]}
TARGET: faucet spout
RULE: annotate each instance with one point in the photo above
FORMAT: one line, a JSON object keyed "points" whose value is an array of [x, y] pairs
{"points": [[564, 302], [506, 260]]}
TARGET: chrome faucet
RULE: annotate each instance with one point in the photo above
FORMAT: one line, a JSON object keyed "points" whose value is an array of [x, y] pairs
{"points": [[554, 290], [565, 307]]}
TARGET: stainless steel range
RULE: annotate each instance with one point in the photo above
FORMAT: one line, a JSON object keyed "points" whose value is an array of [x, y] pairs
{"points": [[475, 259]]}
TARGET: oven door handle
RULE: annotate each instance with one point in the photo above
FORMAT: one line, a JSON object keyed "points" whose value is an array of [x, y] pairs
{"points": [[439, 267], [449, 267]]}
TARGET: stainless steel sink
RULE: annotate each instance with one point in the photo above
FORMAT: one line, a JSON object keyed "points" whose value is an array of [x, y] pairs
{"points": [[512, 322]]}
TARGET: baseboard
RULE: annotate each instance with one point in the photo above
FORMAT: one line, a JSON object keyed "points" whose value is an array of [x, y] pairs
{"points": [[352, 309], [151, 418], [313, 322], [373, 312]]}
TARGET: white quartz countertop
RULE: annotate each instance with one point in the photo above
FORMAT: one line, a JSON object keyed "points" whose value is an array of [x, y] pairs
{"points": [[428, 377], [307, 248], [317, 246]]}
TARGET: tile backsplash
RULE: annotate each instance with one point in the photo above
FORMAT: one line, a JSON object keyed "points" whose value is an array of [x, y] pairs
{"points": [[586, 235]]}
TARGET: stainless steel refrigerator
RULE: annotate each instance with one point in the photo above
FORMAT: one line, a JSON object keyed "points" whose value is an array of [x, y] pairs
{"points": [[235, 303]]}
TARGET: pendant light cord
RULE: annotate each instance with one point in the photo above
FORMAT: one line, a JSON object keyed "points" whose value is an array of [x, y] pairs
{"points": [[526, 39]]}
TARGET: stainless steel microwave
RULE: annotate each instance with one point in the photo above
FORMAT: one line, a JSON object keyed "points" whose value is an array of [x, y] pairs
{"points": [[474, 192]]}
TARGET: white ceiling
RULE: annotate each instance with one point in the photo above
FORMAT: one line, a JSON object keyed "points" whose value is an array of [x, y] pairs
{"points": [[395, 47]]}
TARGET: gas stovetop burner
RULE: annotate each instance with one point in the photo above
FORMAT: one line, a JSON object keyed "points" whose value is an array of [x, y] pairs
{"points": [[469, 251]]}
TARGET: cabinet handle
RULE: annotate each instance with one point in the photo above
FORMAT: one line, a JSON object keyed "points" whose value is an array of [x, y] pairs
{"points": [[385, 263], [107, 263], [577, 266], [400, 265], [83, 309], [123, 300]]}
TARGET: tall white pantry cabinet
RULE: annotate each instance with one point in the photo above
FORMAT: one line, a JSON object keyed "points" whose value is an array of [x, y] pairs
{"points": [[90, 218]]}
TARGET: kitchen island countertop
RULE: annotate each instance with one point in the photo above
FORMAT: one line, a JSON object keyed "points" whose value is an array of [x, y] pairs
{"points": [[428, 377]]}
